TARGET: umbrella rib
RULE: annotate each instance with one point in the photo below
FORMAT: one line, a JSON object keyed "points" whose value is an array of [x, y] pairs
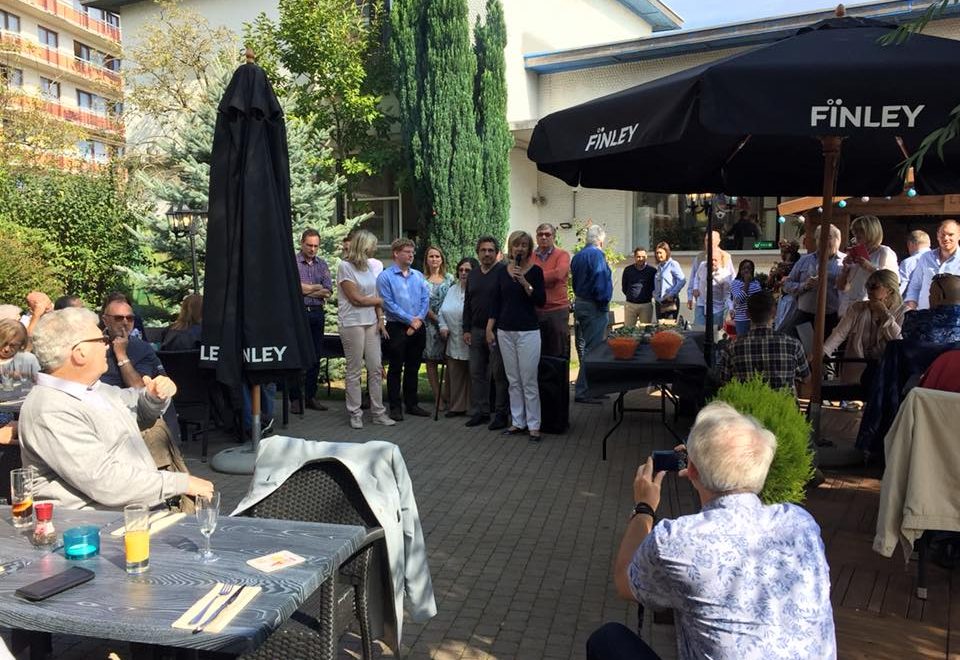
{"points": [[733, 154]]}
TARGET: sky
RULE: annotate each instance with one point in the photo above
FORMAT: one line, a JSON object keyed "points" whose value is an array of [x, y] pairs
{"points": [[704, 13]]}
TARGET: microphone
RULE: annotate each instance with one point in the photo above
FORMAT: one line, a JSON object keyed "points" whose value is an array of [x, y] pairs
{"points": [[518, 260]]}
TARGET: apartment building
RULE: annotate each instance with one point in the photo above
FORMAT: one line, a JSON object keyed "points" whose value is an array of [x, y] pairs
{"points": [[64, 59]]}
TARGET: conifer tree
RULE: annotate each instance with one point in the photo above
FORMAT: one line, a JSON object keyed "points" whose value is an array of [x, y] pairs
{"points": [[490, 40], [435, 67]]}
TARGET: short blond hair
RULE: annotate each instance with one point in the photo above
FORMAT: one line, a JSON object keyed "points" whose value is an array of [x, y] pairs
{"points": [[871, 228], [521, 236], [361, 247]]}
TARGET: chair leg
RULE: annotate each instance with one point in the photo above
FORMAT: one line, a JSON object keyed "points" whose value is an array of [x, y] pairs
{"points": [[203, 443], [328, 640], [361, 605]]}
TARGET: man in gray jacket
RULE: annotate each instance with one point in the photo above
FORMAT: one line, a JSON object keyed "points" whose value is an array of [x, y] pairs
{"points": [[82, 435]]}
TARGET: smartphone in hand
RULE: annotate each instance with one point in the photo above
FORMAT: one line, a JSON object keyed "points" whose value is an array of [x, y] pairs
{"points": [[669, 460]]}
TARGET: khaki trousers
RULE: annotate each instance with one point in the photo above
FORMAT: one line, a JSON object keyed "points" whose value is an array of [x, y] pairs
{"points": [[634, 312], [458, 380]]}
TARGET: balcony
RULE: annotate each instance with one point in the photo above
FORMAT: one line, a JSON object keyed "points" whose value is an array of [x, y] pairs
{"points": [[104, 124], [68, 13], [83, 69]]}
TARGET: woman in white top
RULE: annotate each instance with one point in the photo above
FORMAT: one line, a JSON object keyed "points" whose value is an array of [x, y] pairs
{"points": [[860, 263], [450, 319], [360, 317], [720, 279]]}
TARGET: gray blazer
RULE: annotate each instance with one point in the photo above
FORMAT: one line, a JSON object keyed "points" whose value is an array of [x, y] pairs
{"points": [[382, 476]]}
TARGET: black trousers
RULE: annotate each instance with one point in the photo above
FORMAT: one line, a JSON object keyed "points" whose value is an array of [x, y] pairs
{"points": [[614, 641], [405, 353]]}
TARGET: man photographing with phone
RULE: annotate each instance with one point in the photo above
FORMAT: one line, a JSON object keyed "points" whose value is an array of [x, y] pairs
{"points": [[745, 579]]}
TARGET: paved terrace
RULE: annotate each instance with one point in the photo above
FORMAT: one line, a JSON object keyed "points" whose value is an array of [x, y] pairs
{"points": [[521, 539]]}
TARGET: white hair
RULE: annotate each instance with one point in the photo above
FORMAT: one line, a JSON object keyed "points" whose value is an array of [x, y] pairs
{"points": [[58, 332], [9, 312], [834, 232], [595, 234], [731, 451]]}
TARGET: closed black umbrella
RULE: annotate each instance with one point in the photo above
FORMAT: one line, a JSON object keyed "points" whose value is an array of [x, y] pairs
{"points": [[254, 325], [827, 109]]}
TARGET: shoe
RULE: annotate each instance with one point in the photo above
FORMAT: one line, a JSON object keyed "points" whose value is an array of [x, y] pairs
{"points": [[357, 422], [499, 422], [384, 420], [514, 431], [455, 413], [587, 399], [534, 436], [313, 404], [851, 406], [396, 415], [417, 411], [266, 429], [477, 420], [296, 407]]}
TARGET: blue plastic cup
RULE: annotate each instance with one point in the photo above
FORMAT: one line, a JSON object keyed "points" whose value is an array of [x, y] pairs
{"points": [[81, 542]]}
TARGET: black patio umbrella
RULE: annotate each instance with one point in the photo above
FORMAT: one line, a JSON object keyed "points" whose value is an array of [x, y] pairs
{"points": [[254, 324], [772, 121]]}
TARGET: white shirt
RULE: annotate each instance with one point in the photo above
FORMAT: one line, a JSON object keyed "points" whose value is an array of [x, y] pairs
{"points": [[348, 314], [721, 287], [883, 258], [451, 318]]}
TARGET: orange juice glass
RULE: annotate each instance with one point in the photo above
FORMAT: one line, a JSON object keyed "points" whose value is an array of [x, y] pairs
{"points": [[136, 537]]}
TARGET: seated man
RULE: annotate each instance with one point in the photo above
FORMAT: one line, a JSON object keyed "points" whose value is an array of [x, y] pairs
{"points": [[745, 580], [940, 324], [82, 435], [129, 358], [777, 357]]}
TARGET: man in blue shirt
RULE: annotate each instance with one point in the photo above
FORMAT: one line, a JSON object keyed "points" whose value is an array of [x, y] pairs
{"points": [[745, 580], [802, 284], [918, 244], [592, 288], [406, 301], [942, 260]]}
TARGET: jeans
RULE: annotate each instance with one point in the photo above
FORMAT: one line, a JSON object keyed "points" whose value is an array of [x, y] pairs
{"points": [[592, 320], [315, 319], [267, 392], [405, 354], [743, 327], [614, 641]]}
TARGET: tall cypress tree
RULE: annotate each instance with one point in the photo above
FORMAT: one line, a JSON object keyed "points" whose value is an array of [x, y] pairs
{"points": [[435, 67], [490, 91]]}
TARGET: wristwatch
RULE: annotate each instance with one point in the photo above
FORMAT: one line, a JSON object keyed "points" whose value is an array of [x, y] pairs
{"points": [[120, 363], [642, 508]]}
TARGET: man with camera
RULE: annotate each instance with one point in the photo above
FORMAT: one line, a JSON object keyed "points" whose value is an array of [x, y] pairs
{"points": [[745, 579]]}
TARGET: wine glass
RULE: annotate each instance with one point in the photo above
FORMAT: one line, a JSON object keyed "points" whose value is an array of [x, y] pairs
{"points": [[208, 511]]}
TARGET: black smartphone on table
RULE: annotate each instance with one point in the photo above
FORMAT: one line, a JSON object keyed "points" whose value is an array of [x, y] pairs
{"points": [[42, 589]]}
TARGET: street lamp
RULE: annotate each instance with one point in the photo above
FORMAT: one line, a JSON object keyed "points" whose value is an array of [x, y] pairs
{"points": [[185, 221]]}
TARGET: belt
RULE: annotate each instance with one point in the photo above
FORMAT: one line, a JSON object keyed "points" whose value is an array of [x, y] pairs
{"points": [[314, 308]]}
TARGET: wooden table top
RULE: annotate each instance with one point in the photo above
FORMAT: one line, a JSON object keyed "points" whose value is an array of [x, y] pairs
{"points": [[141, 608]]}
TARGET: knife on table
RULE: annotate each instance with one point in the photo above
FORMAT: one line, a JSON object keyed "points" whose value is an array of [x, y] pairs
{"points": [[219, 610]]}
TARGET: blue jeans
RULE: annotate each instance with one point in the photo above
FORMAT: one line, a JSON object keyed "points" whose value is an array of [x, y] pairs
{"points": [[614, 641], [591, 327], [267, 392], [743, 327]]}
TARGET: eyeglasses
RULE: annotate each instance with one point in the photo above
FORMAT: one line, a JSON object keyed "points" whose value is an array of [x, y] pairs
{"points": [[464, 270], [102, 339], [15, 345], [545, 234], [130, 318]]}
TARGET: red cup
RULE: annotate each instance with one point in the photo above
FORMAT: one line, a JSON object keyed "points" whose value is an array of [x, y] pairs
{"points": [[43, 511]]}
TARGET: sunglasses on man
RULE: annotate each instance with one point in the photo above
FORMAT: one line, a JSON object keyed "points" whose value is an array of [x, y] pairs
{"points": [[117, 318]]}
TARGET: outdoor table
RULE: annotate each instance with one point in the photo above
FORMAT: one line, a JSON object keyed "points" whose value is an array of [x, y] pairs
{"points": [[608, 375], [141, 608], [12, 400]]}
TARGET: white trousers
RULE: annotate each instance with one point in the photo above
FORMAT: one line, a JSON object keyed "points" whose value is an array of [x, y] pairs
{"points": [[361, 344], [520, 350]]}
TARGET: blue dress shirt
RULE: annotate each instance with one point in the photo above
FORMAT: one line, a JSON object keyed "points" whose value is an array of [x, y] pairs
{"points": [[806, 268], [592, 278], [669, 280], [404, 296], [928, 265]]}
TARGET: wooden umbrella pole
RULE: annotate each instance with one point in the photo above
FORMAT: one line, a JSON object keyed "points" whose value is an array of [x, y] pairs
{"points": [[831, 157], [255, 409]]}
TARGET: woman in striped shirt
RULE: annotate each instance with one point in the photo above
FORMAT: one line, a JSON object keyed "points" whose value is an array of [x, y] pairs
{"points": [[743, 286]]}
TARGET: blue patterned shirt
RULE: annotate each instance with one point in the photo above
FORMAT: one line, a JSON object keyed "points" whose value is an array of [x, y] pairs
{"points": [[745, 581], [939, 325], [928, 265]]}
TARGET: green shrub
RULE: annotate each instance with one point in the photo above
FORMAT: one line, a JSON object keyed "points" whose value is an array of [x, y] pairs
{"points": [[777, 410], [24, 265]]}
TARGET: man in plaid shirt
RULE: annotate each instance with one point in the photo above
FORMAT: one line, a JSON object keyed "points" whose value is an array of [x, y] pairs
{"points": [[779, 358]]}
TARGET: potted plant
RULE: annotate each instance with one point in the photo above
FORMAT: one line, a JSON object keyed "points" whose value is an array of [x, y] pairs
{"points": [[666, 344], [623, 342], [777, 410]]}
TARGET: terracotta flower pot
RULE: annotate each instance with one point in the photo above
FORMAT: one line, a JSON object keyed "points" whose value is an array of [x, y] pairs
{"points": [[623, 347], [666, 345]]}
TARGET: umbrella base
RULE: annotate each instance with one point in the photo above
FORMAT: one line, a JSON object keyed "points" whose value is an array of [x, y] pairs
{"points": [[236, 460]]}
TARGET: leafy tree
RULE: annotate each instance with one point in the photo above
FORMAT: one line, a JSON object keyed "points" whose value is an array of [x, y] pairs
{"points": [[89, 219], [490, 89], [435, 67], [325, 56], [25, 264]]}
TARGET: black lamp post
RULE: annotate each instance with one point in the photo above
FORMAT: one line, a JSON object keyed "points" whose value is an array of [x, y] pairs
{"points": [[185, 221]]}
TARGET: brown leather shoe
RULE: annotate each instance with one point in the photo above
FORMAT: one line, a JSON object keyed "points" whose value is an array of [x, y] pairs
{"points": [[313, 404]]}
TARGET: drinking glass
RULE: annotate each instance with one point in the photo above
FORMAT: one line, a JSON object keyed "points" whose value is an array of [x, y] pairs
{"points": [[208, 511], [136, 537], [21, 496]]}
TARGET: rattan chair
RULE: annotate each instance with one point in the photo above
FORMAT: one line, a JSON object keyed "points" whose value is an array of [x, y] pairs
{"points": [[325, 491]]}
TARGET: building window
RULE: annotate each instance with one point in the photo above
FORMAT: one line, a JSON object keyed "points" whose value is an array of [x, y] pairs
{"points": [[9, 22], [378, 195], [110, 18], [681, 220], [12, 77], [111, 63], [49, 89], [93, 150], [47, 37], [88, 54], [92, 102]]}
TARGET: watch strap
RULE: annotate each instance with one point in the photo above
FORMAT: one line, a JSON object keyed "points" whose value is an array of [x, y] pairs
{"points": [[643, 508]]}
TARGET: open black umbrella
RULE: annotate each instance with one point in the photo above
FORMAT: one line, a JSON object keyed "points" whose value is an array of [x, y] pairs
{"points": [[772, 121], [254, 325]]}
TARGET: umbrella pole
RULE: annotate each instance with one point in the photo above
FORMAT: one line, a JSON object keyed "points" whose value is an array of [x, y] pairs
{"points": [[436, 406], [708, 276], [255, 408], [831, 156]]}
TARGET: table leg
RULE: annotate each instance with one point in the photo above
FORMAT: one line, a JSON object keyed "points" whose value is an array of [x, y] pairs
{"points": [[39, 643], [922, 565], [617, 420]]}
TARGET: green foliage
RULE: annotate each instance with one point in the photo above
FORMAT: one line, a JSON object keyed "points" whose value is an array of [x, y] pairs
{"points": [[24, 264], [325, 56], [610, 254], [435, 67], [777, 410], [89, 218], [490, 100]]}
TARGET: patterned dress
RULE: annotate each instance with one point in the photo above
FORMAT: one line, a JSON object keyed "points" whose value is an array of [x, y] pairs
{"points": [[434, 349]]}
